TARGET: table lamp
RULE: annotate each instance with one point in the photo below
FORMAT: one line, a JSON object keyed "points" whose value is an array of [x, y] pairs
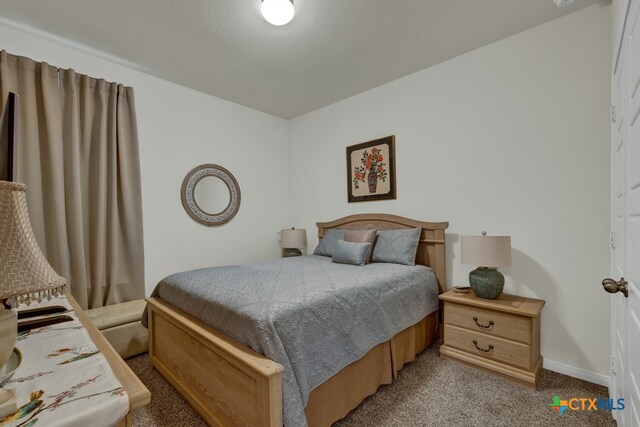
{"points": [[25, 274], [291, 241], [487, 253]]}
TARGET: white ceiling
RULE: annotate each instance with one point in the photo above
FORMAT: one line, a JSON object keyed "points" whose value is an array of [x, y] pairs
{"points": [[331, 50]]}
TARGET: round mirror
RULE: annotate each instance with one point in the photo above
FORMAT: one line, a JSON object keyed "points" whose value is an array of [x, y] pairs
{"points": [[210, 194]]}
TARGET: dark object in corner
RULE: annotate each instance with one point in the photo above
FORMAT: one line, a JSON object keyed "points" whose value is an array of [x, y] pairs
{"points": [[41, 311], [8, 131], [39, 323]]}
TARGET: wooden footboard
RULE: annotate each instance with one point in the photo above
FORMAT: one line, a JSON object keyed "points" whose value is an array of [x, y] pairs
{"points": [[226, 382], [229, 384]]}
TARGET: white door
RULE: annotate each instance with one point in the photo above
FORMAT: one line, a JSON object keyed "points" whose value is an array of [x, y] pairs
{"points": [[625, 206]]}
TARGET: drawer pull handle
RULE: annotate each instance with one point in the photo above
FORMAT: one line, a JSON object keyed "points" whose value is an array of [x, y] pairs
{"points": [[475, 319], [482, 349]]}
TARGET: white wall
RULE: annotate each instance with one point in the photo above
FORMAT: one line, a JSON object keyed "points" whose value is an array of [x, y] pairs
{"points": [[180, 128], [618, 14], [512, 138]]}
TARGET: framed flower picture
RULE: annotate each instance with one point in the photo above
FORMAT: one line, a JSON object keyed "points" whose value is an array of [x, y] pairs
{"points": [[371, 170]]}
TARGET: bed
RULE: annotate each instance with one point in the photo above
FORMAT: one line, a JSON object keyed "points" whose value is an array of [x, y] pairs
{"points": [[229, 383]]}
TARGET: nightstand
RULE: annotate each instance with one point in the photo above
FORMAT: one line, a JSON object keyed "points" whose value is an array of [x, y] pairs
{"points": [[500, 335]]}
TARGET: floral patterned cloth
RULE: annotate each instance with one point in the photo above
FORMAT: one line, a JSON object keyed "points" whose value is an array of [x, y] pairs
{"points": [[64, 380]]}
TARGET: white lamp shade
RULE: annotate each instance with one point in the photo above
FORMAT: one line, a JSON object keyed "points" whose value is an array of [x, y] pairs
{"points": [[277, 12], [293, 238], [486, 251]]}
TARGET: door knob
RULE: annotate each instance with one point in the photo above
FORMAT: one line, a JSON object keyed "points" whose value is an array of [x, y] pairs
{"points": [[612, 286]]}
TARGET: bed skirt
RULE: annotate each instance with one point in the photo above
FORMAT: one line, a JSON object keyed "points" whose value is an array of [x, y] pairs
{"points": [[343, 392]]}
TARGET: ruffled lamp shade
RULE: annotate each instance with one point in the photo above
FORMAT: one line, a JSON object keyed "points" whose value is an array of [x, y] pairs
{"points": [[25, 274]]}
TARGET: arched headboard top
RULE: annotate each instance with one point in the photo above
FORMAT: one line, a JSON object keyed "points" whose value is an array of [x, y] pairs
{"points": [[431, 245]]}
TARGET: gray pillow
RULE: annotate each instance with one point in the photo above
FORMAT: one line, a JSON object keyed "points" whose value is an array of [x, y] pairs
{"points": [[328, 242], [397, 246], [351, 253]]}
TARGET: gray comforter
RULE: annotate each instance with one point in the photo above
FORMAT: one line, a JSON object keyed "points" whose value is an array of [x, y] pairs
{"points": [[310, 315]]}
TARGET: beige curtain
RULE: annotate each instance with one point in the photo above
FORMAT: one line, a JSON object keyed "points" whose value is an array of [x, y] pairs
{"points": [[78, 154]]}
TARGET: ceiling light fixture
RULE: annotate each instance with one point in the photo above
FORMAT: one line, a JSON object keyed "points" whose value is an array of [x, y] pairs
{"points": [[277, 12]]}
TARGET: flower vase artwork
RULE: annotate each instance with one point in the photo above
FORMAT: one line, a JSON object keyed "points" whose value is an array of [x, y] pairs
{"points": [[371, 170]]}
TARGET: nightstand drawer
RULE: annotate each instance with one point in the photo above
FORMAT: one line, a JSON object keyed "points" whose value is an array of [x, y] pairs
{"points": [[487, 346], [489, 322]]}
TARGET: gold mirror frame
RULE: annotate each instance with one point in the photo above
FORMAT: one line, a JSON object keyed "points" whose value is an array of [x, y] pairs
{"points": [[190, 204]]}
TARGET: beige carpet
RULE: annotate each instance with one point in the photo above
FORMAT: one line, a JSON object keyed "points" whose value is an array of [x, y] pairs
{"points": [[431, 391]]}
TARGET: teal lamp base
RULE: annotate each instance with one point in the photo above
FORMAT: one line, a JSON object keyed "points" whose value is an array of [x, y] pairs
{"points": [[486, 282]]}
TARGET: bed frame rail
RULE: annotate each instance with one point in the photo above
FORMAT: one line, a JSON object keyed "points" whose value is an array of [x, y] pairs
{"points": [[226, 382]]}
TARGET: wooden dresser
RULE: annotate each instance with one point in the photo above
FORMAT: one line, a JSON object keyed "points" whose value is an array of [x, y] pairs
{"points": [[501, 335]]}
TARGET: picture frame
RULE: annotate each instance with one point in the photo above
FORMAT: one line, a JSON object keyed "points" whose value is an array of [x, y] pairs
{"points": [[371, 170]]}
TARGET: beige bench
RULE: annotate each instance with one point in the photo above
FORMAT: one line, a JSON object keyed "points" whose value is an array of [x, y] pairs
{"points": [[121, 326]]}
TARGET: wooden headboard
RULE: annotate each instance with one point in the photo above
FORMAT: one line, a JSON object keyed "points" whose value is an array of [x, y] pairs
{"points": [[431, 246]]}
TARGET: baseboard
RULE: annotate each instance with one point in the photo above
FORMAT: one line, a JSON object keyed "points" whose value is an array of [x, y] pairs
{"points": [[581, 374]]}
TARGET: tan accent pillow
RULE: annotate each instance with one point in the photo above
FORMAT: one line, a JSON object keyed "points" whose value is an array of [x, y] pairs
{"points": [[362, 236]]}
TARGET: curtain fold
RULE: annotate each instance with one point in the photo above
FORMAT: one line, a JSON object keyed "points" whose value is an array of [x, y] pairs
{"points": [[78, 154]]}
